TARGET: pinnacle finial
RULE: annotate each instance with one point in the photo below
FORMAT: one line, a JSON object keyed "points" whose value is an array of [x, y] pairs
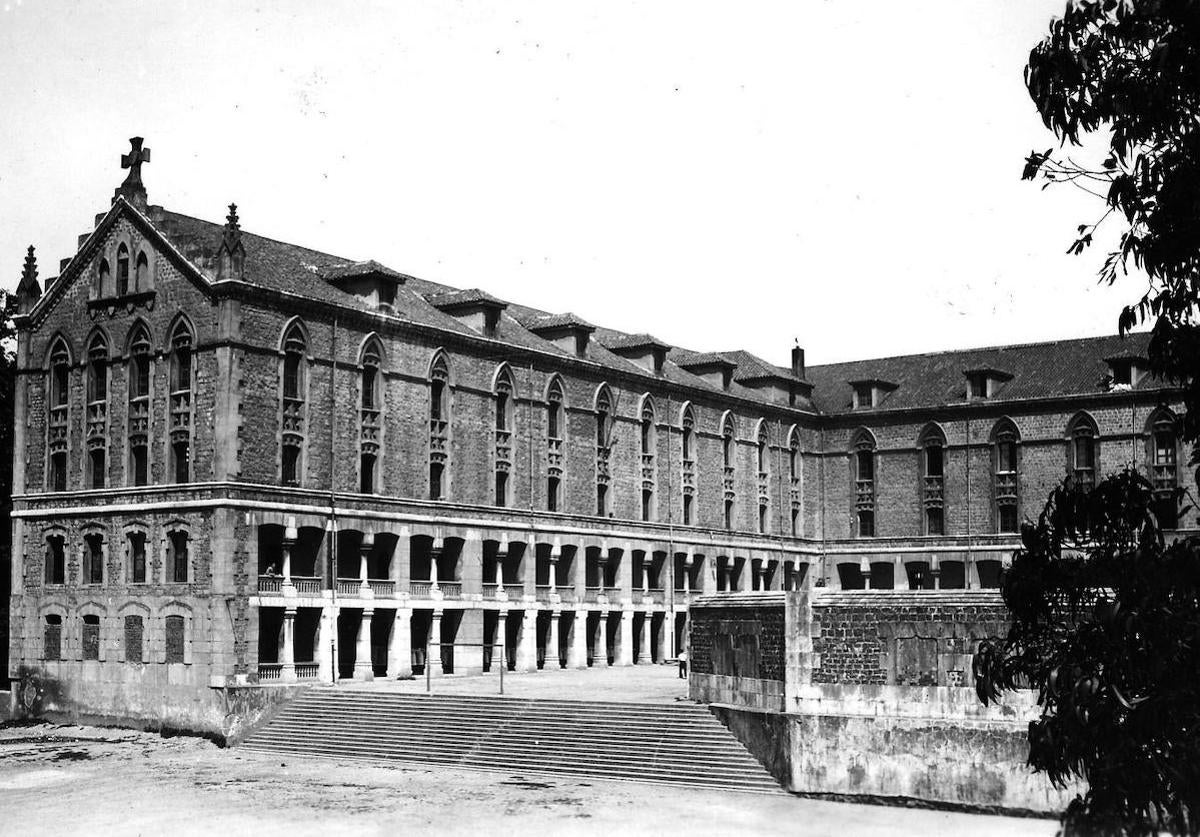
{"points": [[231, 255], [28, 291], [231, 222]]}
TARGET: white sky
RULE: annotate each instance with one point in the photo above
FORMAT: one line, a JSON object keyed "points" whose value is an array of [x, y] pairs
{"points": [[722, 175]]}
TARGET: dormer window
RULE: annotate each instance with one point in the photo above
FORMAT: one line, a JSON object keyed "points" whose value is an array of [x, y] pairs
{"points": [[646, 351], [985, 382], [1125, 371], [864, 396], [870, 392], [369, 281]]}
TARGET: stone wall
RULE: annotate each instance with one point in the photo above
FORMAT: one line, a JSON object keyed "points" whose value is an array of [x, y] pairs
{"points": [[877, 697], [737, 653]]}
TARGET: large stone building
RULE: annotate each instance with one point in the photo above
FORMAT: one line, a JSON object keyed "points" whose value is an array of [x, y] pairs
{"points": [[241, 461]]}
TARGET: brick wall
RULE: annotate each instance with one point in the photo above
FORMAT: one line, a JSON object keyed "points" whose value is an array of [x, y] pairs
{"points": [[881, 638]]}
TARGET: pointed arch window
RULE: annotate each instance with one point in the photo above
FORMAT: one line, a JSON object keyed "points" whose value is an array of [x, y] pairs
{"points": [[439, 426], [56, 560], [181, 403], [728, 460], [370, 430], [933, 480], [139, 366], [97, 411], [294, 391], [103, 280], [649, 447], [863, 460], [1083, 452], [1005, 477], [687, 444], [122, 270], [504, 428], [57, 436], [763, 465], [1164, 467], [604, 411], [555, 431], [794, 480], [141, 279]]}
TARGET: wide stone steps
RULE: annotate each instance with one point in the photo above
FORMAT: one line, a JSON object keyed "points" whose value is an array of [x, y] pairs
{"points": [[659, 743]]}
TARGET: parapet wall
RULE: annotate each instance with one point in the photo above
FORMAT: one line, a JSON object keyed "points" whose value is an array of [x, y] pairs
{"points": [[875, 695]]}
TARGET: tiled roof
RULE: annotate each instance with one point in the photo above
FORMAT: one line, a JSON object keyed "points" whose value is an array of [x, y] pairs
{"points": [[634, 341], [470, 296], [699, 360], [1039, 370], [753, 368], [553, 321], [356, 269]]}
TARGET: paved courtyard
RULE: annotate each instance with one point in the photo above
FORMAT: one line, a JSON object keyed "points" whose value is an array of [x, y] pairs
{"points": [[627, 684], [81, 780]]}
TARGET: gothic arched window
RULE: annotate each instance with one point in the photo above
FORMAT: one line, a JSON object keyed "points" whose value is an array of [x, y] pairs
{"points": [[294, 396]]}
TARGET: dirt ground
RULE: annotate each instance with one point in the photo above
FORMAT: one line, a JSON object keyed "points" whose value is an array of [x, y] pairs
{"points": [[61, 780]]}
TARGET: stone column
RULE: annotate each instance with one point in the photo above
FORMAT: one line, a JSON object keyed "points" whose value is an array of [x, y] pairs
{"points": [[624, 651], [935, 569], [864, 567], [554, 571], [600, 646], [644, 653], [527, 649], [552, 660], [708, 578], [326, 650], [289, 540], [287, 654], [468, 643], [687, 575], [625, 573], [666, 639], [435, 559], [362, 650], [899, 575], [400, 646], [364, 553], [435, 644], [577, 650], [402, 562], [500, 642], [472, 568]]}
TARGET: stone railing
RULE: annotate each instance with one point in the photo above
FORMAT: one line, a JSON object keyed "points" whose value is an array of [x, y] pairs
{"points": [[306, 585], [515, 591], [451, 589], [490, 589], [270, 584], [382, 588], [349, 586], [270, 671], [419, 589], [307, 671], [592, 594], [613, 593], [543, 592]]}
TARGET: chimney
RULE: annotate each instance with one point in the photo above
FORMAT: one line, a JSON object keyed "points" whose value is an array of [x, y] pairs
{"points": [[798, 361]]}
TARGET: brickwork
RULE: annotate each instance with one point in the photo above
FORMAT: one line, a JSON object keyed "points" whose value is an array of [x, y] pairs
{"points": [[765, 625], [900, 641]]}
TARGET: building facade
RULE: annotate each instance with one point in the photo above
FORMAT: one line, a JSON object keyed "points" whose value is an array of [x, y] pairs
{"points": [[240, 461]]}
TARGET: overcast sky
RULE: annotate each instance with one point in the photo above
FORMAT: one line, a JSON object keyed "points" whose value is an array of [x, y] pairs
{"points": [[722, 175]]}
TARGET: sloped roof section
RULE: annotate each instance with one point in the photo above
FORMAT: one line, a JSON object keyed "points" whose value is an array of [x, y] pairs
{"points": [[1038, 370]]}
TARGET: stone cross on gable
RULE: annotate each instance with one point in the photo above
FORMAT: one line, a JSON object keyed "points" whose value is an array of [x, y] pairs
{"points": [[132, 189]]}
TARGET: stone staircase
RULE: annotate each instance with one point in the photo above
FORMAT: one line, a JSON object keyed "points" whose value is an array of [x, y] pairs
{"points": [[681, 744]]}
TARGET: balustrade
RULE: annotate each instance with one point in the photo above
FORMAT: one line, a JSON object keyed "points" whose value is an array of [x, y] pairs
{"points": [[270, 671], [419, 589], [270, 584], [349, 586], [382, 587], [307, 671]]}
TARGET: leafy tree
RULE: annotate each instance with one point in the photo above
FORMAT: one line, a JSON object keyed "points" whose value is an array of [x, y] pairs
{"points": [[1105, 613]]}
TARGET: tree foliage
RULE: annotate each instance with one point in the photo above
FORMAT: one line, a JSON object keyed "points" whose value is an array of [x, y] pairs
{"points": [[1106, 629], [1105, 613], [1123, 75]]}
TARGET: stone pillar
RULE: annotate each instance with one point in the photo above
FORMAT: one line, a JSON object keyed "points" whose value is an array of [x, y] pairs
{"points": [[400, 646], [435, 643], [899, 575], [666, 639], [527, 648], [362, 650], [935, 569], [289, 540], [600, 646], [708, 578], [468, 643], [287, 654], [435, 560], [970, 573], [864, 567], [577, 650], [364, 552], [326, 650], [644, 654], [472, 573], [687, 575], [624, 651], [500, 642], [625, 573], [554, 572], [552, 659], [402, 562]]}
